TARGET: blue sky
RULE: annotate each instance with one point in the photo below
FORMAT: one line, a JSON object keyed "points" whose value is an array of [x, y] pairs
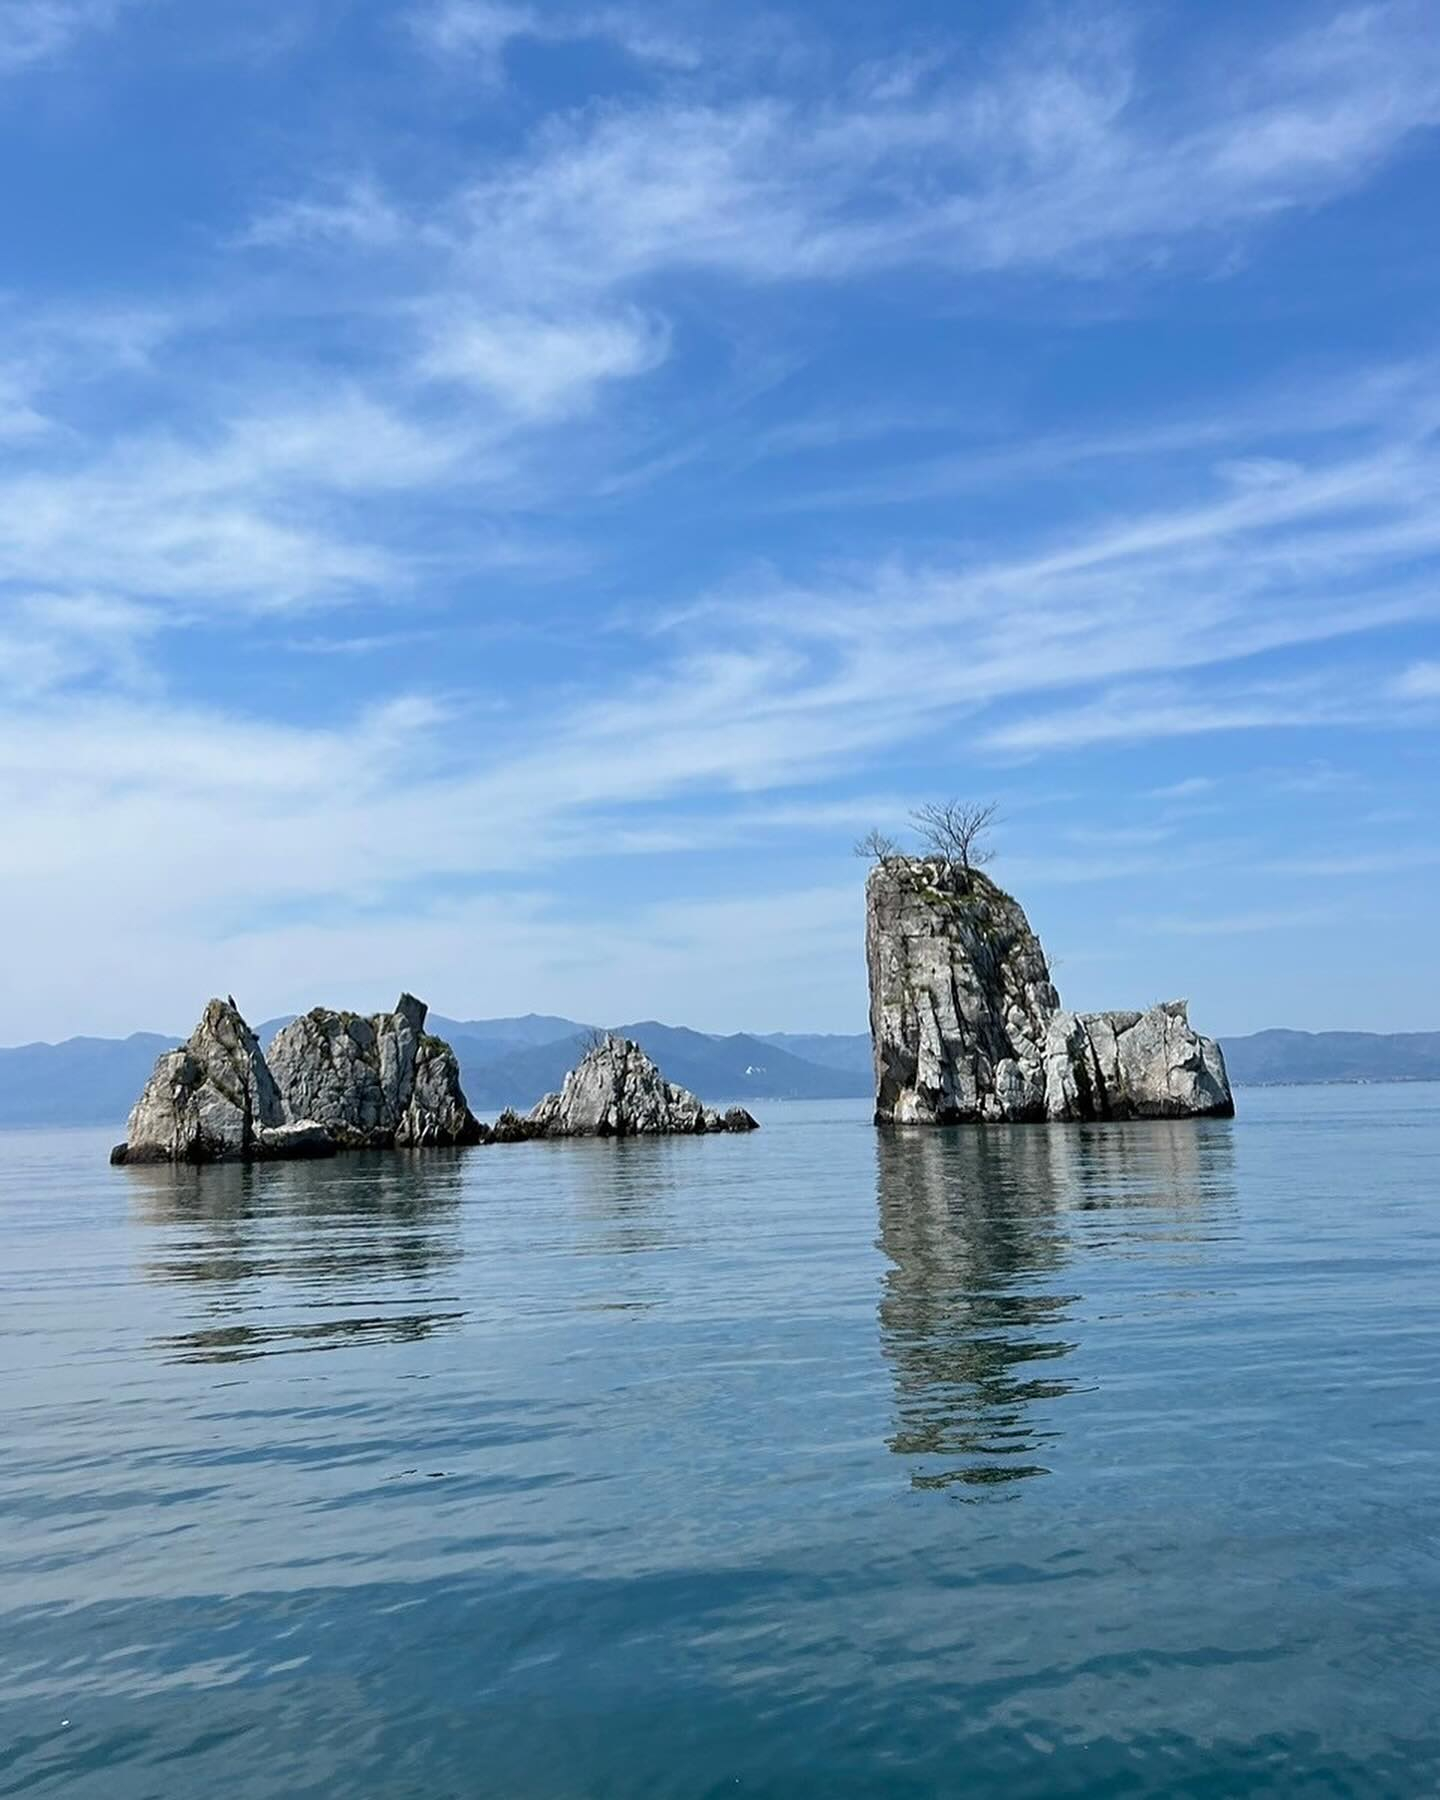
{"points": [[495, 498]]}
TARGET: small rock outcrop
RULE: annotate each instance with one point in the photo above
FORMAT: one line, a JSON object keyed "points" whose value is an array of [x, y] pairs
{"points": [[215, 1100], [1134, 1065], [616, 1091], [967, 1025], [332, 1081], [373, 1083]]}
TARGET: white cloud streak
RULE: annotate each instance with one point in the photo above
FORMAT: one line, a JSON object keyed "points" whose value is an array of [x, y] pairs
{"points": [[542, 368], [511, 306], [1282, 918], [1066, 158], [1061, 160], [33, 32], [481, 31], [1421, 681]]}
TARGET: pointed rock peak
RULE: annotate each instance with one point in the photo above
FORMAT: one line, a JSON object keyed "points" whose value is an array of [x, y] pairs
{"points": [[216, 1008], [222, 1024], [212, 1100], [616, 1091], [331, 1080], [413, 1011], [373, 1083]]}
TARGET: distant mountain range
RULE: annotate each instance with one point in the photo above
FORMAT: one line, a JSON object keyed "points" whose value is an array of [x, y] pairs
{"points": [[513, 1061], [1295, 1058]]}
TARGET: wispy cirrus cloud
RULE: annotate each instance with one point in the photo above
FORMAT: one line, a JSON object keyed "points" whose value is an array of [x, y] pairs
{"points": [[1392, 860], [805, 685], [1421, 681], [1242, 924], [434, 360], [49, 641], [483, 30], [267, 510], [1145, 714], [33, 32], [1193, 787], [538, 367], [1067, 155], [1061, 157]]}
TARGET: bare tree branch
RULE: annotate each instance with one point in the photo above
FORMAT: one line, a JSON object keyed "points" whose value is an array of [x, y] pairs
{"points": [[953, 832], [876, 847]]}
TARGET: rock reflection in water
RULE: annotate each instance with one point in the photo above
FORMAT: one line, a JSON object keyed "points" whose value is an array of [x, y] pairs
{"points": [[985, 1229], [304, 1256]]}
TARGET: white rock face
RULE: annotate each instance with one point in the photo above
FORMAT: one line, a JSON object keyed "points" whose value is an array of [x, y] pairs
{"points": [[373, 1082], [616, 1091], [967, 1024], [305, 1138], [213, 1100], [1127, 1065]]}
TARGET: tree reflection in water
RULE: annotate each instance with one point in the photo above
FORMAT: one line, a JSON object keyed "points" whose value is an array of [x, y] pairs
{"points": [[306, 1255], [981, 1226]]}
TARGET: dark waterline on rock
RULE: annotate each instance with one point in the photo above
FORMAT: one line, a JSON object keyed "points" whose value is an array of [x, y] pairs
{"points": [[1031, 1460]]}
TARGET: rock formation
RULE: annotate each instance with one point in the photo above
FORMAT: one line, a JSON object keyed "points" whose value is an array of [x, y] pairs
{"points": [[332, 1081], [373, 1082], [1132, 1065], [616, 1091], [214, 1100], [967, 1025]]}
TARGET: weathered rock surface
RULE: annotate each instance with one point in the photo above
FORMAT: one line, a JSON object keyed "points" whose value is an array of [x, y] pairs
{"points": [[511, 1127], [373, 1083], [303, 1139], [212, 1100], [967, 1024], [1128, 1065], [616, 1091], [332, 1081]]}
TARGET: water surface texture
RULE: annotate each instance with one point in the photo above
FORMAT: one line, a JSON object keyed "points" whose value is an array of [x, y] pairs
{"points": [[1041, 1460]]}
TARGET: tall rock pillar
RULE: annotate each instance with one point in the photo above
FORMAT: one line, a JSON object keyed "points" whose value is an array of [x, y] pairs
{"points": [[966, 1024]]}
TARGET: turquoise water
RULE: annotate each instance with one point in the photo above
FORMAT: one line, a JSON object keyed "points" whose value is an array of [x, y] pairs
{"points": [[1046, 1461]]}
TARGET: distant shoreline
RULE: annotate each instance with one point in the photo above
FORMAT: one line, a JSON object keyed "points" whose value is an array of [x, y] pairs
{"points": [[117, 1124]]}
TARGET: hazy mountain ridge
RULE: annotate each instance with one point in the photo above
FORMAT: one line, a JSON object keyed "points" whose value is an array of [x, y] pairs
{"points": [[1279, 1058], [82, 1081], [717, 1068], [831, 1050], [513, 1061]]}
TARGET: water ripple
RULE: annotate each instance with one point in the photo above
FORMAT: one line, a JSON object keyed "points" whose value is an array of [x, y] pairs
{"points": [[1018, 1462]]}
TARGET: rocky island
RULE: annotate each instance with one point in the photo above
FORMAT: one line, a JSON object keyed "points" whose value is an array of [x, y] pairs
{"points": [[967, 1025], [373, 1083], [332, 1081], [616, 1091]]}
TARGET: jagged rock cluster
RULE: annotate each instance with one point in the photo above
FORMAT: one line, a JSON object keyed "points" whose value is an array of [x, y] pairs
{"points": [[332, 1081], [373, 1082], [1133, 1065], [967, 1024], [213, 1100], [616, 1091], [337, 1081]]}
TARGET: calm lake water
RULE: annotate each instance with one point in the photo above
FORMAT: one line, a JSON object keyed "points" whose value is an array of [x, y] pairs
{"points": [[1049, 1461]]}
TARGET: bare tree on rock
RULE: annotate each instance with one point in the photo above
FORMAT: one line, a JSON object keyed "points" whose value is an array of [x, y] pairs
{"points": [[876, 847], [954, 832]]}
